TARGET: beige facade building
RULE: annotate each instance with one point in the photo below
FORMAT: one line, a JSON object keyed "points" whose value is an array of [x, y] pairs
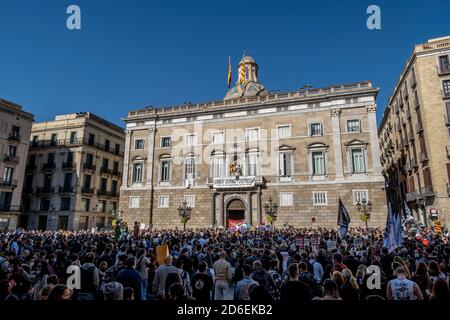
{"points": [[414, 133], [15, 128], [304, 149], [73, 173]]}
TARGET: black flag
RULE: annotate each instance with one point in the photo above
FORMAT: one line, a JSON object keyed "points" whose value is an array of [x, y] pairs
{"points": [[343, 219]]}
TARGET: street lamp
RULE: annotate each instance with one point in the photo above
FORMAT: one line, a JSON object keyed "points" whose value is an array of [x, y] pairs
{"points": [[185, 213], [365, 207], [271, 209]]}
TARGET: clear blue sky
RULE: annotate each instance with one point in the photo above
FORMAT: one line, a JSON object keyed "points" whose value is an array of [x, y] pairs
{"points": [[130, 54]]}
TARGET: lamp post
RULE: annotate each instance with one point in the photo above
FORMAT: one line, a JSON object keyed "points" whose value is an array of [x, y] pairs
{"points": [[184, 212], [365, 207], [271, 209]]}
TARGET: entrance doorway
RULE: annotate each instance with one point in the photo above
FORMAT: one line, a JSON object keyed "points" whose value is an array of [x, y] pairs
{"points": [[42, 223], [235, 211]]}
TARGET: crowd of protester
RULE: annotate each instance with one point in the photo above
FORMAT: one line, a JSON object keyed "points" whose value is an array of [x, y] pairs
{"points": [[216, 264]]}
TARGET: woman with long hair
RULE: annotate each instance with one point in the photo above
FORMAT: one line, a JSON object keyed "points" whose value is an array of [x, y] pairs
{"points": [[42, 274], [330, 290], [435, 273], [402, 264], [60, 293], [440, 292], [422, 278], [349, 289]]}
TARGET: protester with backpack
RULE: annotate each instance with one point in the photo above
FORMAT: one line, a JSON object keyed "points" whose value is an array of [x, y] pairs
{"points": [[90, 279]]}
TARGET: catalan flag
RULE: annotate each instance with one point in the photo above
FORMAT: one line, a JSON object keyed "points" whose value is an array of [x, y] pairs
{"points": [[229, 72], [438, 227], [242, 73]]}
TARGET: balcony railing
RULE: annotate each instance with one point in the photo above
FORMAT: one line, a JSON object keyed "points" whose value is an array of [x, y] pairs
{"points": [[89, 166], [423, 156], [66, 189], [27, 190], [443, 70], [411, 196], [44, 190], [408, 113], [9, 208], [447, 119], [419, 127], [105, 193], [87, 190], [14, 136], [116, 173], [69, 165], [413, 82], [11, 158], [49, 166], [73, 142], [8, 182], [30, 167], [427, 191], [105, 170]]}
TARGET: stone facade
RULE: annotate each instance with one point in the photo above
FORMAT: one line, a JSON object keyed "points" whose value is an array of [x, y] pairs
{"points": [[414, 133], [304, 149], [15, 128], [73, 173]]}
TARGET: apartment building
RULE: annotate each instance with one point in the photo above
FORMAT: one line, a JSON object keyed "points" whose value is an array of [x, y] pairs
{"points": [[73, 173], [414, 133], [15, 129]]}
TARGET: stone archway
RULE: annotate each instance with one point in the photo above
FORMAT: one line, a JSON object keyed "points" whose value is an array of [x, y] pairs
{"points": [[235, 210]]}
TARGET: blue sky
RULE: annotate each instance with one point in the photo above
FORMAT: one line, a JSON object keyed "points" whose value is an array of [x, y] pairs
{"points": [[133, 53]]}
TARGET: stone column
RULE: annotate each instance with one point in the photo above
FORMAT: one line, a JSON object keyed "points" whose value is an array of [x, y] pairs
{"points": [[258, 207], [213, 209], [337, 145], [375, 147], [126, 158], [248, 211], [222, 211], [150, 156]]}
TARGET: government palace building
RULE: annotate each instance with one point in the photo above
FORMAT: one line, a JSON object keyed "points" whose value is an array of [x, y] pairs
{"points": [[225, 159]]}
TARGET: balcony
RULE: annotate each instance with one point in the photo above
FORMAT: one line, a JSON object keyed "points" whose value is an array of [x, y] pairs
{"points": [[232, 182], [105, 170], [11, 158], [447, 119], [413, 163], [419, 127], [8, 183], [66, 189], [109, 194], [89, 166], [49, 166], [423, 157], [413, 82], [412, 196], [44, 190], [9, 208], [56, 143], [408, 167], [13, 136], [69, 165], [102, 147], [443, 70], [87, 190], [30, 167], [427, 192], [116, 173], [27, 190]]}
